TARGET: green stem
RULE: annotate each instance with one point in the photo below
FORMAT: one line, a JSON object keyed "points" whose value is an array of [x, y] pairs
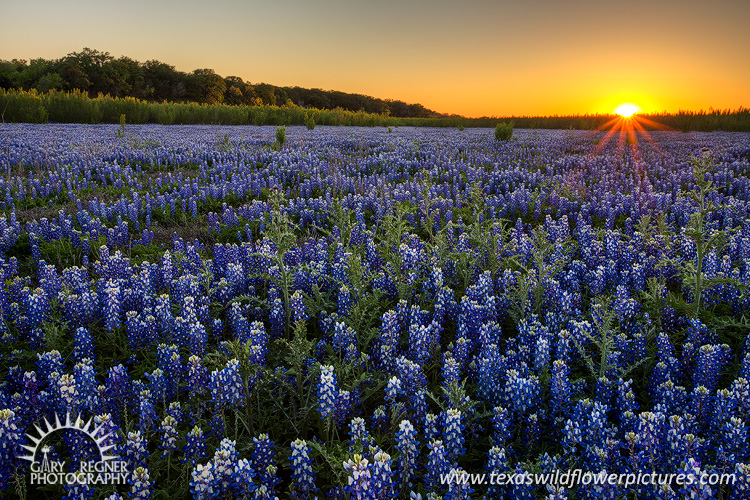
{"points": [[699, 264]]}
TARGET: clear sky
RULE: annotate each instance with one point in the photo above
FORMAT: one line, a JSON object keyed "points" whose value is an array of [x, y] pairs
{"points": [[471, 57]]}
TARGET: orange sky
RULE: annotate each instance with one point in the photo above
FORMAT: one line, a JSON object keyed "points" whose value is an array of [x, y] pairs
{"points": [[473, 57]]}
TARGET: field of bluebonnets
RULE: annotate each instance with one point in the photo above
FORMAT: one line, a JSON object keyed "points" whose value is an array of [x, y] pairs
{"points": [[352, 313]]}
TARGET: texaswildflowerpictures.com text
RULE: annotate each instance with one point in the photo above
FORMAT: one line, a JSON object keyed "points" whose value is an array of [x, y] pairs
{"points": [[576, 477]]}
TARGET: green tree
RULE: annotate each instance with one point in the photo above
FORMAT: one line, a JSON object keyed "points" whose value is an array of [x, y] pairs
{"points": [[266, 94], [10, 73], [206, 86], [161, 82]]}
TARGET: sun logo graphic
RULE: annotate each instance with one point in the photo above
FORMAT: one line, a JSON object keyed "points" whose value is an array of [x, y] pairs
{"points": [[105, 469]]}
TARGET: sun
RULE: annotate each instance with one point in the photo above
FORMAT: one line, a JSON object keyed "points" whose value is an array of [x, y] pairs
{"points": [[627, 110]]}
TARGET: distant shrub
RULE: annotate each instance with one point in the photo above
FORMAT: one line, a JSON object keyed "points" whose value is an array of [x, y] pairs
{"points": [[503, 131], [121, 130], [461, 128], [280, 136], [22, 106], [310, 122]]}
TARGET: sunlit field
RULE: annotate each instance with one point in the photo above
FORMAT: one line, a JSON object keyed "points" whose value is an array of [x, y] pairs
{"points": [[372, 313]]}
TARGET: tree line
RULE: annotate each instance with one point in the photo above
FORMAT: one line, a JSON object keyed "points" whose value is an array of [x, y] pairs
{"points": [[96, 72], [92, 86]]}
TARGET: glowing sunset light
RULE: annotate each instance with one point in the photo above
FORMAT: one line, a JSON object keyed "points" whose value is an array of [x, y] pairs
{"points": [[627, 110], [691, 59]]}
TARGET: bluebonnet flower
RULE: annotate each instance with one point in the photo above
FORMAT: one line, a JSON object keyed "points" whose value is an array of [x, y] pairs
{"points": [[625, 307], [259, 343], [382, 475], [110, 430], [38, 308], [327, 391], [670, 398], [386, 344], [174, 410], [68, 392], [522, 392], [303, 476], [203, 482], [358, 433], [135, 449], [735, 437], [501, 426], [32, 405], [135, 328], [169, 361], [701, 404], [681, 443], [141, 484], [277, 318], [411, 375], [227, 387], [453, 434], [83, 346], [560, 389], [195, 446], [197, 338], [86, 386], [169, 435], [113, 307], [604, 390], [542, 353], [531, 429], [47, 363], [711, 359], [458, 489], [238, 323], [10, 441], [224, 464], [742, 485], [522, 490], [298, 306], [344, 301], [158, 382], [724, 408], [78, 490], [147, 411], [625, 401], [497, 464], [344, 340], [345, 405], [419, 342], [745, 367], [393, 389], [438, 466], [451, 370], [696, 490], [197, 376], [407, 445], [555, 493], [431, 424], [359, 485], [262, 461], [740, 390], [379, 418], [650, 438], [417, 405]]}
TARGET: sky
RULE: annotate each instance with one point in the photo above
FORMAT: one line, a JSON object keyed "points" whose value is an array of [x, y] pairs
{"points": [[468, 57]]}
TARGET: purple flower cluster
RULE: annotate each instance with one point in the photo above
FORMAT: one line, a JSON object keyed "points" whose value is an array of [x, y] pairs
{"points": [[456, 305]]}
